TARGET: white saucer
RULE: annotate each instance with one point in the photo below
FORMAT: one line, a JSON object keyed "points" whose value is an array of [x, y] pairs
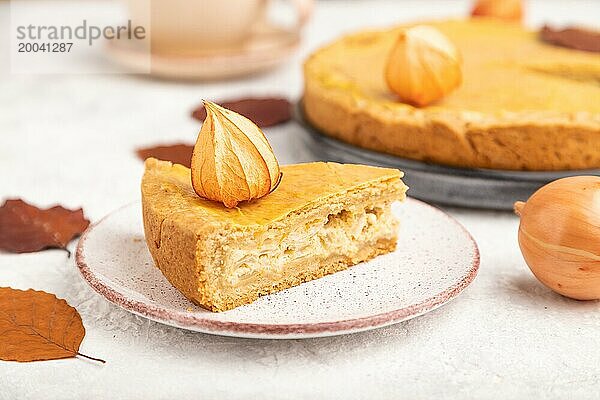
{"points": [[436, 259], [267, 47]]}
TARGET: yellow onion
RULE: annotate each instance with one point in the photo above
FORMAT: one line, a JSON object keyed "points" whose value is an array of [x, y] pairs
{"points": [[559, 236]]}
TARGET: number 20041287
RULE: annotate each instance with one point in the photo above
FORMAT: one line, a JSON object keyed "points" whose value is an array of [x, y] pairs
{"points": [[26, 47]]}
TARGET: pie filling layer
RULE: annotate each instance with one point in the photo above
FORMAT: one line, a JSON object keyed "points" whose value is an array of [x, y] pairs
{"points": [[272, 253]]}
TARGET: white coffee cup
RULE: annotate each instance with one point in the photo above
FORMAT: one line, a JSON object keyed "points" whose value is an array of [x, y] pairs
{"points": [[199, 26]]}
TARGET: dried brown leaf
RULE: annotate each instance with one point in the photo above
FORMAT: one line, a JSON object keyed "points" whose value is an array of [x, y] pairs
{"points": [[572, 37], [267, 111], [176, 153], [25, 228], [37, 326]]}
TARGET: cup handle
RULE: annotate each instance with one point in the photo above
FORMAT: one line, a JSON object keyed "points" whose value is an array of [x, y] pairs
{"points": [[305, 10]]}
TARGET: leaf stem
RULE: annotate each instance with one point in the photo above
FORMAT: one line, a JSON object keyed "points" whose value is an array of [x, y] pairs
{"points": [[91, 358]]}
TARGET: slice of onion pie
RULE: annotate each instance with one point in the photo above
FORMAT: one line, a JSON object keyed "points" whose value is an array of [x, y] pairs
{"points": [[323, 218]]}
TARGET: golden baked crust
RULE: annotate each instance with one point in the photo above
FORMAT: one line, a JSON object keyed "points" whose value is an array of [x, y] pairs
{"points": [[523, 104], [221, 258]]}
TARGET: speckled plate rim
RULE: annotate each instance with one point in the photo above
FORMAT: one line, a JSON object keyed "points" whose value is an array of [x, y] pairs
{"points": [[276, 331]]}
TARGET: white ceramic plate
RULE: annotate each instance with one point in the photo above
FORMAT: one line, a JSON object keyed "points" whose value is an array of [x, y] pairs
{"points": [[436, 259]]}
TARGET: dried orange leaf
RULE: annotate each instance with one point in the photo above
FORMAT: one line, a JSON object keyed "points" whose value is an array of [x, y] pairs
{"points": [[37, 326], [25, 228]]}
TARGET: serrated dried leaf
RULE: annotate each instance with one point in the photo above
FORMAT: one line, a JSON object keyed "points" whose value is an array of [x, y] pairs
{"points": [[38, 326], [266, 111], [176, 153], [25, 228], [232, 159]]}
